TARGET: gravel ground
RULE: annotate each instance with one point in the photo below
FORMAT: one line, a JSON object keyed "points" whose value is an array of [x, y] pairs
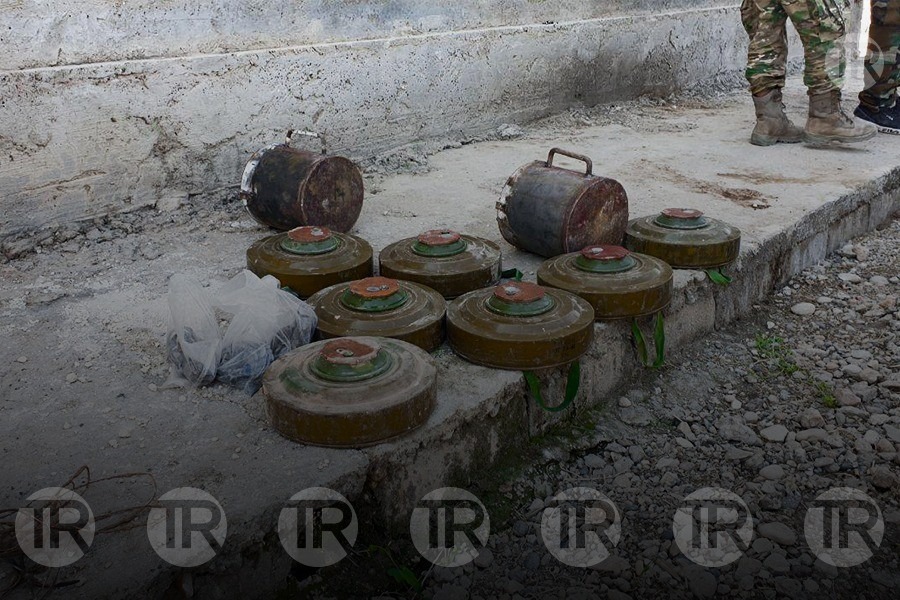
{"points": [[800, 396]]}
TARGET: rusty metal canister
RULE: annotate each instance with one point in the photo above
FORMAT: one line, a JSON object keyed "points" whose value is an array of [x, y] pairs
{"points": [[444, 260], [285, 187], [350, 392], [684, 238], [520, 325], [617, 283], [549, 210], [378, 306], [308, 259]]}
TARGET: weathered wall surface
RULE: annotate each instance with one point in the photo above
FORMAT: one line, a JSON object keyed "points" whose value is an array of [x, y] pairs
{"points": [[106, 105]]}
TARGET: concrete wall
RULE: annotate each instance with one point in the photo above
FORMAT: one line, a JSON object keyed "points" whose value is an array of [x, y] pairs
{"points": [[106, 105]]}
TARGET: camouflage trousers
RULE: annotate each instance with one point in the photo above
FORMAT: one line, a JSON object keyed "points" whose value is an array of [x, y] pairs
{"points": [[820, 24], [882, 75]]}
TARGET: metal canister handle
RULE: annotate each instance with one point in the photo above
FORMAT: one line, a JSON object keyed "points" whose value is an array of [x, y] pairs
{"points": [[289, 137], [581, 157]]}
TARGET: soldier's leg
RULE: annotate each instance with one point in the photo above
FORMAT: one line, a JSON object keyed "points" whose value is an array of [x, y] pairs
{"points": [[882, 72], [765, 22], [820, 24]]}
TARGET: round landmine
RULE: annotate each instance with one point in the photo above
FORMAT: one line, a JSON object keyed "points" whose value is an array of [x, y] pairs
{"points": [[308, 259], [684, 238], [350, 392], [444, 260], [379, 306], [520, 326], [617, 283]]}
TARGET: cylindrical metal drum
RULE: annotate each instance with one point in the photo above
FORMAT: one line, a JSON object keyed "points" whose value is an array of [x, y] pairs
{"points": [[685, 238], [549, 211], [308, 259], [450, 263], [350, 392], [618, 284], [378, 306], [285, 187], [520, 326]]}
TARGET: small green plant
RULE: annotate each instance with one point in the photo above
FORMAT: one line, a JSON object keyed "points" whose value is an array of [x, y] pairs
{"points": [[775, 350], [400, 573], [826, 394]]}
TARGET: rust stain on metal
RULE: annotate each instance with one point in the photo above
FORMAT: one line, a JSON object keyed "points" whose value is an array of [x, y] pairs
{"points": [[347, 351], [682, 213], [520, 292], [287, 187], [375, 287], [439, 237], [550, 210], [604, 252], [309, 234]]}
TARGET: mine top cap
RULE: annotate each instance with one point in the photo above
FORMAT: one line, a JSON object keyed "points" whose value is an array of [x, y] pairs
{"points": [[375, 287], [349, 352], [438, 237], [682, 213], [605, 252], [309, 234], [519, 292]]}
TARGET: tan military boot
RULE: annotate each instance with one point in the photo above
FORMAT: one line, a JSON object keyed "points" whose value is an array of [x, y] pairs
{"points": [[772, 125], [829, 123]]}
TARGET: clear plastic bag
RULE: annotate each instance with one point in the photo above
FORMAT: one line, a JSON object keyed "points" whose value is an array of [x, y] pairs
{"points": [[264, 323], [194, 342]]}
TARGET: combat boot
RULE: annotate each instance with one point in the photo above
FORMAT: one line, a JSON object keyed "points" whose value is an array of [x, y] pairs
{"points": [[772, 125], [829, 123]]}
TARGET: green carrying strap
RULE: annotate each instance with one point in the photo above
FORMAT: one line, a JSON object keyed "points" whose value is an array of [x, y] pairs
{"points": [[659, 342], [512, 274], [718, 277], [572, 384]]}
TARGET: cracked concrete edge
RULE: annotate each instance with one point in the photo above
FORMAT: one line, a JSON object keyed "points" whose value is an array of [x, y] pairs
{"points": [[460, 450]]}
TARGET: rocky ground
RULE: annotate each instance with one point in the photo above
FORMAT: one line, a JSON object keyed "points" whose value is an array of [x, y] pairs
{"points": [[800, 396]]}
